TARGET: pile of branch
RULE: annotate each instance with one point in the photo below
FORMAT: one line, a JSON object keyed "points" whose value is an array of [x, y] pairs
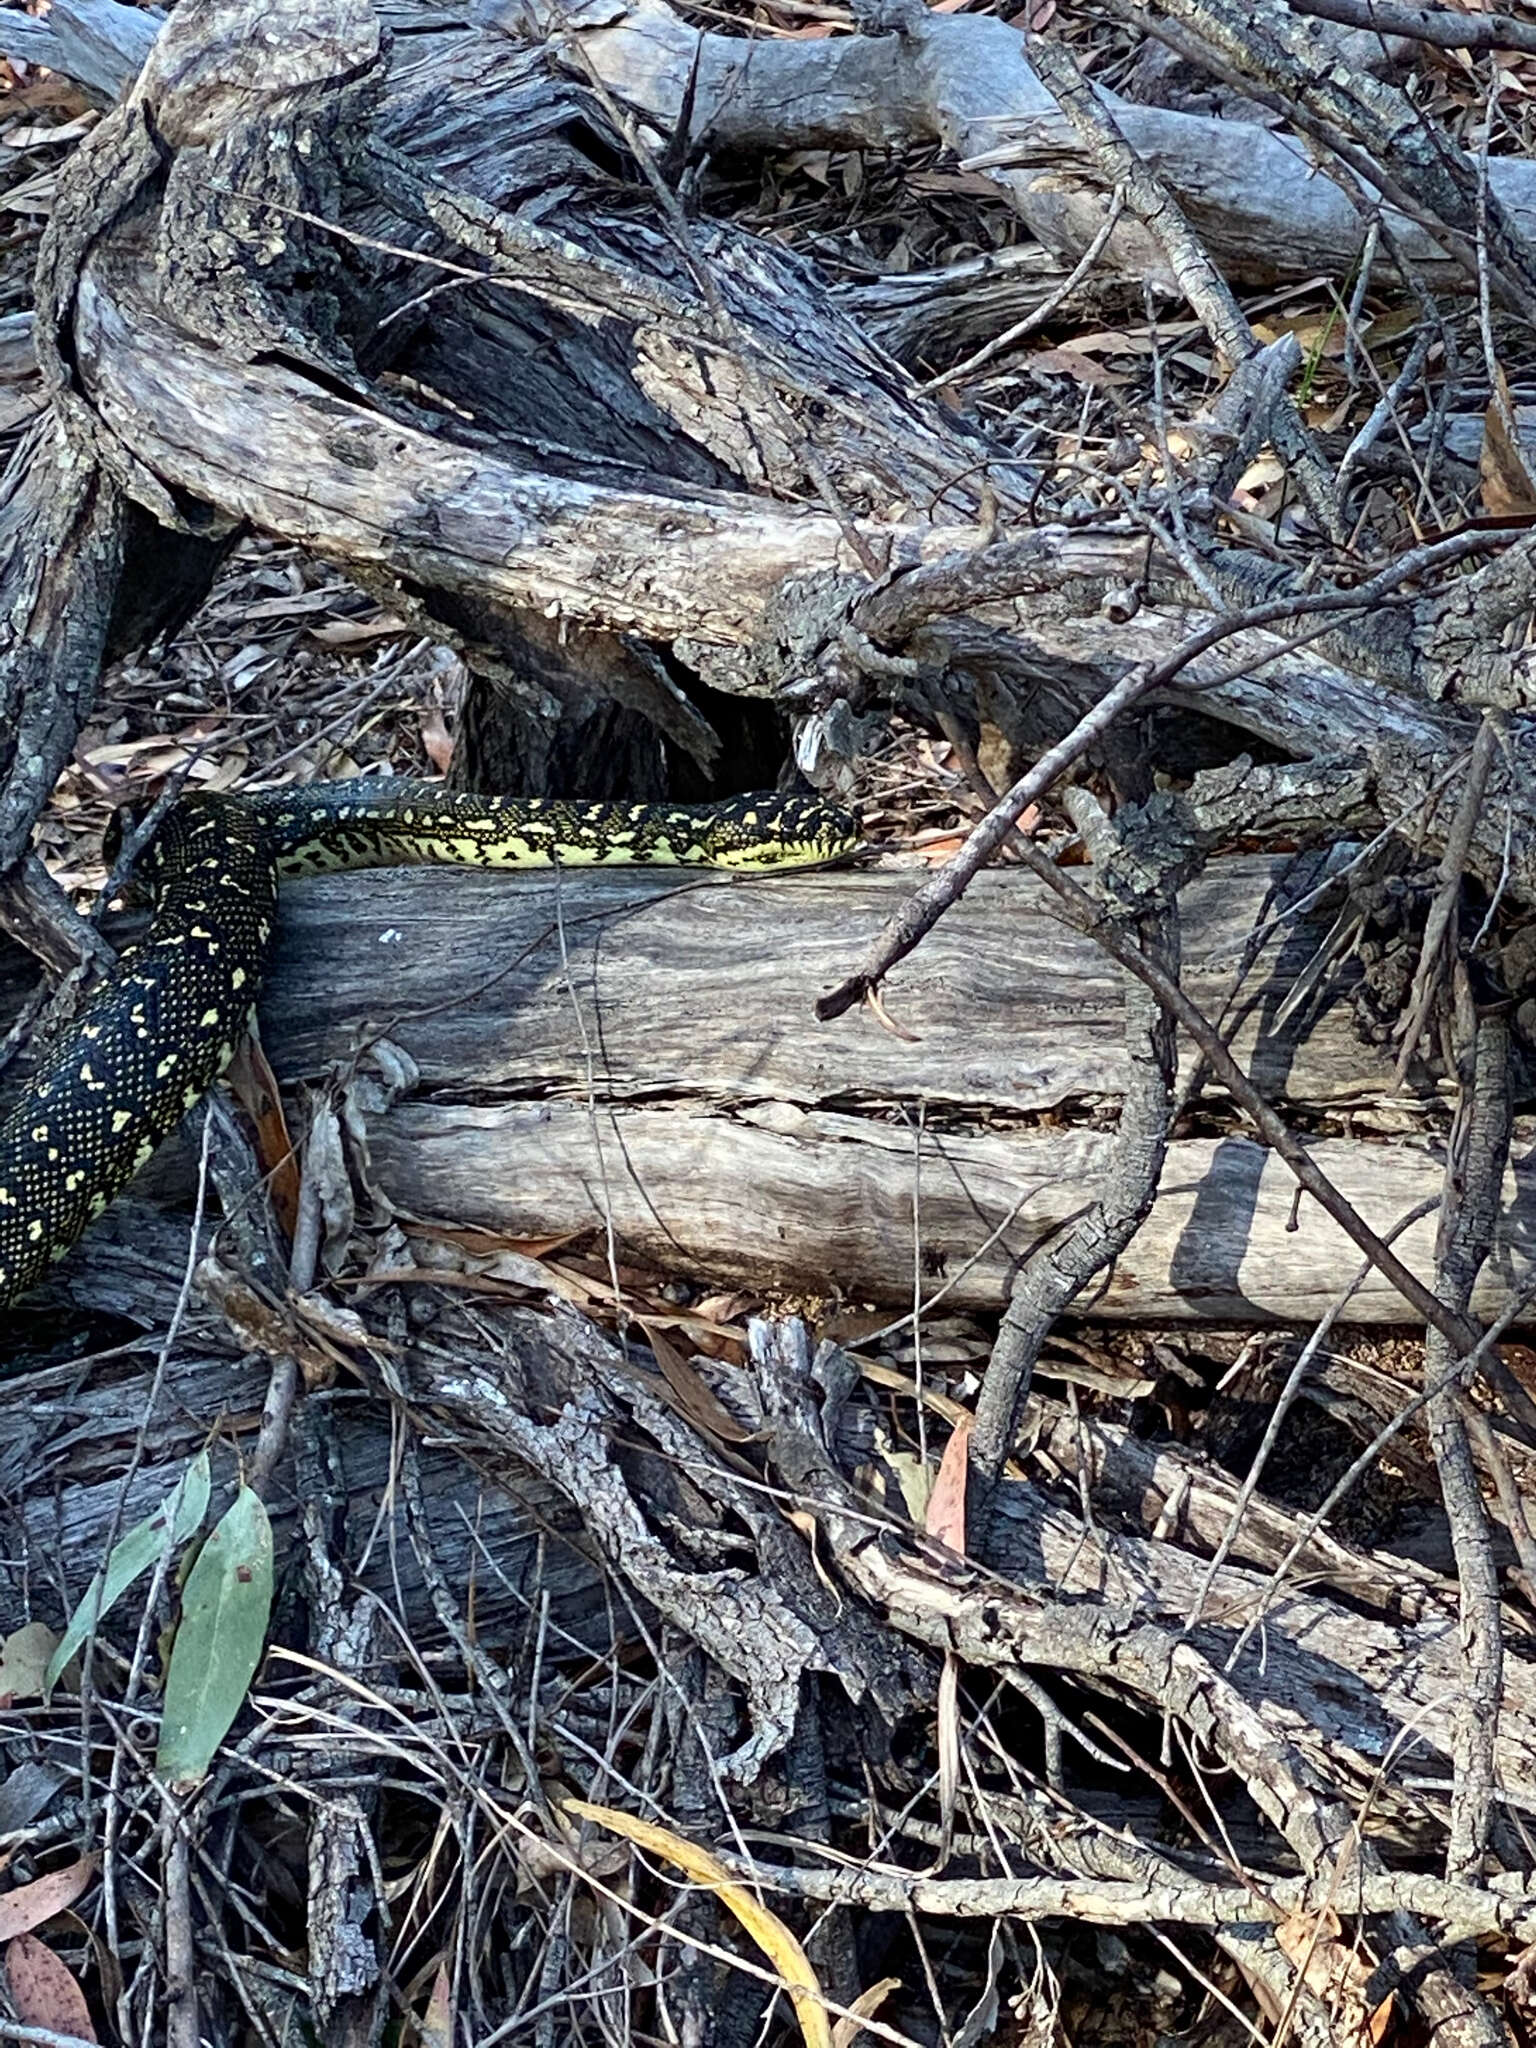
{"points": [[555, 1576]]}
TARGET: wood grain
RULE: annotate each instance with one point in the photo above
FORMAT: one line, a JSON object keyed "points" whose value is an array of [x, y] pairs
{"points": [[660, 1063], [732, 1137]]}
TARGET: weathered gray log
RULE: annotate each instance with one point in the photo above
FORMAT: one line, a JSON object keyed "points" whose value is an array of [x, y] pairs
{"points": [[675, 1078], [662, 1065], [81, 1431], [1261, 204], [748, 397]]}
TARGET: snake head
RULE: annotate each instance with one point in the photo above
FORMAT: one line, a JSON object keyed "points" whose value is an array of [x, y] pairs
{"points": [[774, 831]]}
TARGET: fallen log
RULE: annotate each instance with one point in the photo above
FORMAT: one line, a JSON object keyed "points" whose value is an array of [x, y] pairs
{"points": [[643, 1049]]}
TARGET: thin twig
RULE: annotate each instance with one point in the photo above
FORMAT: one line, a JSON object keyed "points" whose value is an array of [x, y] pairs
{"points": [[1012, 336]]}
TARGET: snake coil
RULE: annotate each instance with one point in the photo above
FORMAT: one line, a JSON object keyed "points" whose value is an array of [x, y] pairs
{"points": [[161, 1029]]}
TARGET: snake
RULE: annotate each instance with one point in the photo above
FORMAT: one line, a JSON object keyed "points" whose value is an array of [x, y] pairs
{"points": [[156, 1034]]}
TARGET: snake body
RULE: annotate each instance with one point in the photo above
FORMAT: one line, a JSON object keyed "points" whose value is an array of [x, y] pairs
{"points": [[161, 1029]]}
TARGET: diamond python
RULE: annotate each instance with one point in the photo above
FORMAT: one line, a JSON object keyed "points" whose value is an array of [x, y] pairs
{"points": [[161, 1029]]}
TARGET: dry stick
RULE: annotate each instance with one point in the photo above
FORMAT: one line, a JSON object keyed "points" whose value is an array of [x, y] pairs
{"points": [[1267, 40], [1385, 408], [1012, 336], [1178, 542], [1347, 1480], [891, 613], [1354, 311], [1446, 27], [956, 585], [182, 2029], [1058, 1270], [958, 582], [1085, 915], [1490, 1455], [1439, 927], [1149, 199], [1198, 278], [1129, 1902], [995, 1625], [1475, 1163], [1282, 1408], [729, 332], [1373, 176], [923, 909], [926, 905], [162, 1566]]}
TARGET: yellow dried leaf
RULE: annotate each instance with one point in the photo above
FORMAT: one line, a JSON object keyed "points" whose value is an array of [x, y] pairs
{"points": [[765, 1928], [24, 1658]]}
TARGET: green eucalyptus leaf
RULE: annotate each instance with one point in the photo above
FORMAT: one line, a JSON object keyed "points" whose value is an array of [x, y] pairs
{"points": [[178, 1516], [225, 1608]]}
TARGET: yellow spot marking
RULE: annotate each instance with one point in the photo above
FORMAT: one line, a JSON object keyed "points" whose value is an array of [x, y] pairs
{"points": [[166, 1065], [39, 1134], [208, 1019], [121, 1119], [34, 1232], [237, 979]]}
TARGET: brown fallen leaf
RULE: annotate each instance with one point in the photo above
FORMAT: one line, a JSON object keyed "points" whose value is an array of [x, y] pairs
{"points": [[256, 1089], [945, 1518], [29, 1905], [436, 739], [1507, 488], [23, 1660], [1061, 362], [696, 1401], [865, 2006], [1313, 1943], [44, 1992], [437, 2020]]}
